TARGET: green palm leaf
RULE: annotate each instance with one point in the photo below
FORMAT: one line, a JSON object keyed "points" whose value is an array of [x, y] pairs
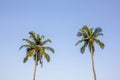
{"points": [[79, 34], [44, 42], [25, 59], [49, 48], [101, 44], [32, 35], [97, 30], [87, 30], [29, 41], [47, 57], [38, 37], [80, 41], [30, 52], [97, 34], [26, 46], [83, 47]]}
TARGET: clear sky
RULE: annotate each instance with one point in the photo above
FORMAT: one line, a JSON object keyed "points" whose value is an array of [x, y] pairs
{"points": [[59, 20]]}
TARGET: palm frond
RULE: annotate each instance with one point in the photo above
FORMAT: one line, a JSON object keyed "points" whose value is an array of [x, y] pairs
{"points": [[79, 34], [97, 30], [30, 52], [49, 48], [83, 47], [38, 37], [87, 30], [82, 34], [42, 37], [29, 41], [47, 57], [85, 27], [32, 35], [25, 59], [97, 34], [26, 46], [80, 41], [101, 44], [43, 53], [45, 41], [83, 30]]}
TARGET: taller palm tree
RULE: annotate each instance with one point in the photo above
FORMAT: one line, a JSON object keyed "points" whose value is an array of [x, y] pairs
{"points": [[89, 36], [36, 48]]}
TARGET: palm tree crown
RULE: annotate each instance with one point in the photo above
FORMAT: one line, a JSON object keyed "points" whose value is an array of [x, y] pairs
{"points": [[89, 36], [36, 48]]}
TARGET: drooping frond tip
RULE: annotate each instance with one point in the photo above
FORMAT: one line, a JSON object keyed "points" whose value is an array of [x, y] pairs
{"points": [[32, 33], [47, 57], [79, 34], [79, 42], [50, 49], [26, 46], [99, 29], [25, 59]]}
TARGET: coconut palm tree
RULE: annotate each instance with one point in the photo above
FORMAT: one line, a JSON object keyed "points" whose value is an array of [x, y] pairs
{"points": [[89, 36], [36, 48]]}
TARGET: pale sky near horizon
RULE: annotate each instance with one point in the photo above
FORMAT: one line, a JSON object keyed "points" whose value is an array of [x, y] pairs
{"points": [[60, 21]]}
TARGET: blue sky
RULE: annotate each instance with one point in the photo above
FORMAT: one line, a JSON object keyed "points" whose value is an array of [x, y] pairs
{"points": [[59, 20]]}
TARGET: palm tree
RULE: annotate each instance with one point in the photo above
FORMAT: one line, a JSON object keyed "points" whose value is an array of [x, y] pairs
{"points": [[36, 48], [89, 36]]}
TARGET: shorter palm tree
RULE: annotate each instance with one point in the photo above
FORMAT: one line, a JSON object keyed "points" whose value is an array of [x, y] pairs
{"points": [[36, 48], [89, 37]]}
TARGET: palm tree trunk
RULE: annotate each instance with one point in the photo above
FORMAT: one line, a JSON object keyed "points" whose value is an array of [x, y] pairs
{"points": [[92, 57], [35, 67]]}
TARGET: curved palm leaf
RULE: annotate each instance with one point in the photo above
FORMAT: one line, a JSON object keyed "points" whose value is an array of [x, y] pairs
{"points": [[25, 59], [79, 34], [80, 41], [86, 29], [30, 52], [29, 41], [44, 42], [49, 48], [47, 57], [32, 35], [38, 37], [97, 35], [26, 46], [84, 32], [101, 44], [83, 47], [97, 30]]}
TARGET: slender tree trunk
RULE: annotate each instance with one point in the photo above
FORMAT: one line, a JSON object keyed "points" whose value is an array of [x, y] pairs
{"points": [[34, 75], [92, 57]]}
